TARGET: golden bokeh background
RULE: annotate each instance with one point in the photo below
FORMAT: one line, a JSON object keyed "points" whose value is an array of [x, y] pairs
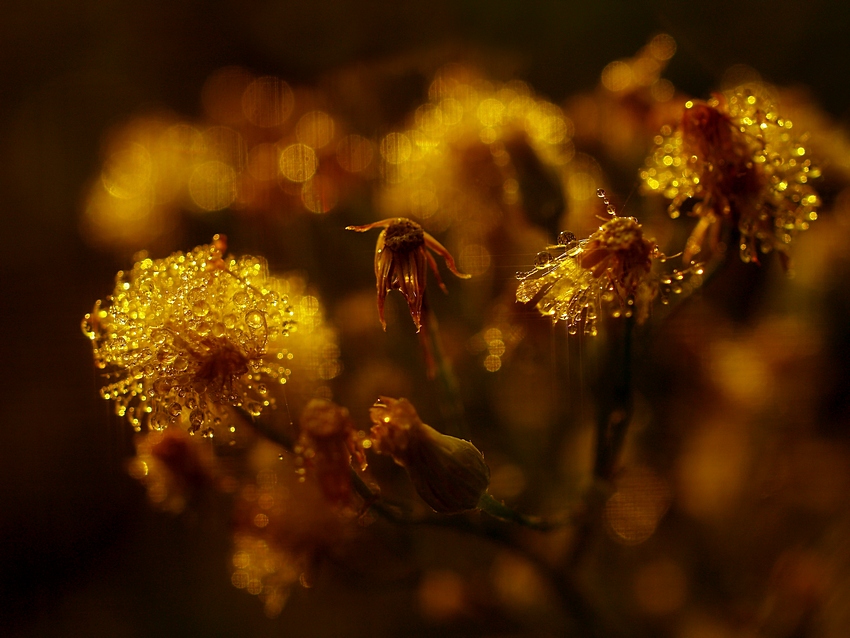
{"points": [[272, 122]]}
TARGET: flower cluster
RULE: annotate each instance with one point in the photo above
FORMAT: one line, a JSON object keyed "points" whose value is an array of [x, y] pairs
{"points": [[734, 161], [182, 338], [576, 281]]}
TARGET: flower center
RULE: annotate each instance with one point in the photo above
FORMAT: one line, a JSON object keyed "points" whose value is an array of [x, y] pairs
{"points": [[404, 236], [223, 363]]}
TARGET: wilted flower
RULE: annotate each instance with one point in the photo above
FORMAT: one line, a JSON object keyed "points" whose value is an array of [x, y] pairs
{"points": [[185, 336], [734, 161], [327, 445], [400, 260], [575, 280], [448, 473], [283, 529], [171, 467]]}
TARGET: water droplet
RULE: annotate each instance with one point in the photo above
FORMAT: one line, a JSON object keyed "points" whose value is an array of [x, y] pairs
{"points": [[241, 298], [200, 308], [196, 420], [565, 238], [175, 409], [255, 319], [180, 364], [88, 327], [542, 259], [159, 421], [253, 408], [611, 210], [161, 386], [262, 389], [600, 193]]}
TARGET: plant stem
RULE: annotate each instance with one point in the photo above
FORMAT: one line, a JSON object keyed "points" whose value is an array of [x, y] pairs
{"points": [[611, 428], [439, 367]]}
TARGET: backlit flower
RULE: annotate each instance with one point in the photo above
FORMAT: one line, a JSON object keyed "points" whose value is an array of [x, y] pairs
{"points": [[182, 338], [401, 257], [576, 281], [734, 162], [448, 473]]}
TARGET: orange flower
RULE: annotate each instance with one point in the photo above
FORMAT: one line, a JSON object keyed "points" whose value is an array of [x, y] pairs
{"points": [[612, 270], [738, 167], [327, 444], [400, 259]]}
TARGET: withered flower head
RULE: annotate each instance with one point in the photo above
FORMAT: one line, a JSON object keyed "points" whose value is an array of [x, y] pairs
{"points": [[735, 163], [283, 530], [400, 260], [171, 467], [448, 473], [576, 281], [180, 338], [327, 444]]}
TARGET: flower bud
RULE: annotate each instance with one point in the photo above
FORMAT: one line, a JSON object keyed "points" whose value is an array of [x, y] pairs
{"points": [[448, 473]]}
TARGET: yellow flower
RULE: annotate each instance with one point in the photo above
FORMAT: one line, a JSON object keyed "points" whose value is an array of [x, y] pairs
{"points": [[400, 263], [734, 162], [448, 473], [182, 338], [576, 281]]}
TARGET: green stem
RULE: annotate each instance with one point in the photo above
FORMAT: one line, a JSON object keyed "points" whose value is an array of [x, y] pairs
{"points": [[611, 429], [499, 510]]}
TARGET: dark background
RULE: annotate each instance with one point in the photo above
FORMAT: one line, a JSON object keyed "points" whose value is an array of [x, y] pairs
{"points": [[80, 552]]}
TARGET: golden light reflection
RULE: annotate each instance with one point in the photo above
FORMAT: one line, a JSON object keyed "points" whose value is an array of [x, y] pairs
{"points": [[441, 595], [319, 194], [298, 162], [264, 161], [315, 129], [268, 101], [713, 468], [213, 186], [396, 148], [354, 153], [127, 173], [634, 510]]}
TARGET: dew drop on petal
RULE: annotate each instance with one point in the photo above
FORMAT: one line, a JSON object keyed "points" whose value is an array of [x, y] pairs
{"points": [[543, 258]]}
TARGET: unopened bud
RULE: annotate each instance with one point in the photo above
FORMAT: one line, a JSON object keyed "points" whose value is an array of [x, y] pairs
{"points": [[448, 473]]}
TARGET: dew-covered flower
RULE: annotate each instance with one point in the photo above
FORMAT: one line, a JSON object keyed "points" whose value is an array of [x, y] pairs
{"points": [[401, 257], [448, 473], [610, 271], [182, 338], [734, 163]]}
